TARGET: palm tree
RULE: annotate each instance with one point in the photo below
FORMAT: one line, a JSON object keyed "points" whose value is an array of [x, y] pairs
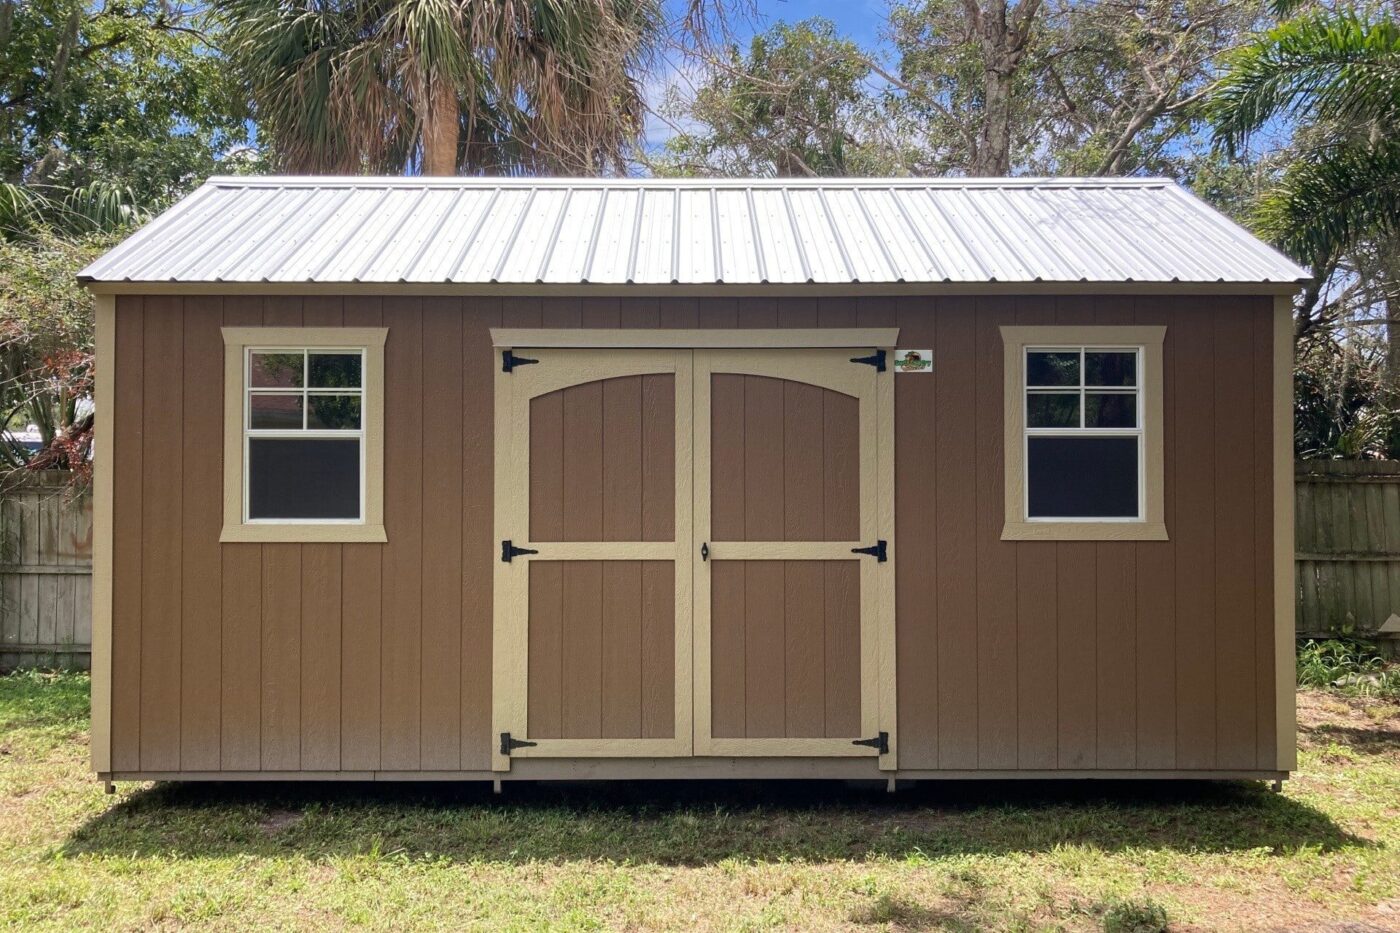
{"points": [[1337, 76], [438, 86]]}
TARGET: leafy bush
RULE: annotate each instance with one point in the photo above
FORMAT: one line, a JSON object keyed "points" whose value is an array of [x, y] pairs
{"points": [[1135, 917], [1352, 664]]}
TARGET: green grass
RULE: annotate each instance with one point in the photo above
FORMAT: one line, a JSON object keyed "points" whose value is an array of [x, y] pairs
{"points": [[1009, 856]]}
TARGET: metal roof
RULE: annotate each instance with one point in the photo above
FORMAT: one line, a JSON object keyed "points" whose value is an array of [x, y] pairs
{"points": [[483, 231]]}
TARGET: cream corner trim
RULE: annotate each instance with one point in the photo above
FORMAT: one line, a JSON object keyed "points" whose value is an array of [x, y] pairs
{"points": [[103, 466], [1015, 339], [238, 339], [714, 338], [1285, 594]]}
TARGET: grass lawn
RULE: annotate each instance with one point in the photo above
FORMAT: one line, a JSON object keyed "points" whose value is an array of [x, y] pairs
{"points": [[1082, 856]]}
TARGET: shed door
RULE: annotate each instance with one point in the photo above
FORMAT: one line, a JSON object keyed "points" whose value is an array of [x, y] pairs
{"points": [[787, 613], [594, 494]]}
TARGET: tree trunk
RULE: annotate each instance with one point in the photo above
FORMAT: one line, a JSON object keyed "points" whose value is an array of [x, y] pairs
{"points": [[994, 142], [441, 129], [1005, 32]]}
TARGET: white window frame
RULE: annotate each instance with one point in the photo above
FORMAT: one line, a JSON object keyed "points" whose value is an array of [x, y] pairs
{"points": [[1083, 431], [1150, 523], [239, 345], [306, 391]]}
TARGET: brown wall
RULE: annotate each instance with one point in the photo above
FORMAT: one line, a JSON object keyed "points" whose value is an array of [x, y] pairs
{"points": [[1029, 655]]}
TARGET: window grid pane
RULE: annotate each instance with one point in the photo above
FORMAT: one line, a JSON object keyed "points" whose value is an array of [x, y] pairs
{"points": [[1104, 413], [329, 413]]}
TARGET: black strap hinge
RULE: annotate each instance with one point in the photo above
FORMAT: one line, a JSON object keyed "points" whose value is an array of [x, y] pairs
{"points": [[876, 359], [509, 361], [881, 743], [509, 744], [877, 551], [509, 550]]}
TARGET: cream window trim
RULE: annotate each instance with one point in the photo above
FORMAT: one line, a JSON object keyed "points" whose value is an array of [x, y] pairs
{"points": [[237, 342], [1015, 341]]}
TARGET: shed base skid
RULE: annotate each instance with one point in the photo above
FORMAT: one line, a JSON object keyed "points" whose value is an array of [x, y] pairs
{"points": [[699, 769]]}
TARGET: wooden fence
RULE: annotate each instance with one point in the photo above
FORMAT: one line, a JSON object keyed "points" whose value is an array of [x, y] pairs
{"points": [[1348, 553], [1348, 545], [45, 572]]}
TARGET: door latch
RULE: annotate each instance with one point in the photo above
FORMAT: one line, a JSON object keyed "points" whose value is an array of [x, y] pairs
{"points": [[876, 551], [509, 744], [705, 551], [880, 743], [509, 550]]}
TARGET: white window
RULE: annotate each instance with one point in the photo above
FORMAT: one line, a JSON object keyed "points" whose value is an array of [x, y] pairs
{"points": [[1083, 434], [1084, 447], [303, 434]]}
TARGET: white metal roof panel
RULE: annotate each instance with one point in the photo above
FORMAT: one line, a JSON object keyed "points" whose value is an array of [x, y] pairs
{"points": [[480, 231]]}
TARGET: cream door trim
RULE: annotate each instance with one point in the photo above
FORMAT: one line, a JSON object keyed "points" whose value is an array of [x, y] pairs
{"points": [[559, 369], [102, 539], [539, 338]]}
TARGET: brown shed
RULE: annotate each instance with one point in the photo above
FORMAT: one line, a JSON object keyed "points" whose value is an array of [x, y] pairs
{"points": [[529, 479]]}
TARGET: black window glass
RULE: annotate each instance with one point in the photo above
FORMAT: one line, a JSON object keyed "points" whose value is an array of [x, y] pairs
{"points": [[1052, 409], [1110, 410], [1082, 477], [335, 371], [1110, 368], [333, 412], [295, 478], [1052, 368]]}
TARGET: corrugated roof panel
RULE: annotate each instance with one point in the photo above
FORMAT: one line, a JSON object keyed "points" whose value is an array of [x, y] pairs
{"points": [[656, 239], [692, 231], [350, 261], [738, 254], [526, 260], [493, 237], [783, 258], [697, 244], [614, 237]]}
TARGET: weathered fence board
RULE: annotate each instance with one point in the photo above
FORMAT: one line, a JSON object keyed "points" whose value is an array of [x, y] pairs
{"points": [[45, 572], [1348, 545]]}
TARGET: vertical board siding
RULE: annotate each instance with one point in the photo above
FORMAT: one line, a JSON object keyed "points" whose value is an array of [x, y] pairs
{"points": [[1031, 655]]}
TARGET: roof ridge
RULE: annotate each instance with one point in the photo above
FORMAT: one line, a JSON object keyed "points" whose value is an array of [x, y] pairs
{"points": [[475, 181]]}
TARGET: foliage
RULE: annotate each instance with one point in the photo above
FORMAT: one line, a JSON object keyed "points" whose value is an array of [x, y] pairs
{"points": [[443, 85], [1354, 663], [1341, 401], [108, 110], [1340, 75], [46, 347], [1136, 917], [988, 88], [794, 104]]}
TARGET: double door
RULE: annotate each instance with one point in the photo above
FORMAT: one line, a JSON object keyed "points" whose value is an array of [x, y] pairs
{"points": [[695, 559]]}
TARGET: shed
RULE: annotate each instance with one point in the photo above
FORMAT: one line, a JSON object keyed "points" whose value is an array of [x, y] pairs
{"points": [[451, 479]]}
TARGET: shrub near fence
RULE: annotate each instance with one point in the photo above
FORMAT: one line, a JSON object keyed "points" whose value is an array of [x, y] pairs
{"points": [[1348, 545], [45, 572]]}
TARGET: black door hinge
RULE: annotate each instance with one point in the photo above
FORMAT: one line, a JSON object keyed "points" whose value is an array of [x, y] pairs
{"points": [[509, 744], [509, 550], [880, 742], [877, 551], [876, 359], [509, 361]]}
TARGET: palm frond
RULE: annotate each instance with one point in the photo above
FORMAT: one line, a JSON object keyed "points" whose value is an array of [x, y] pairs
{"points": [[1334, 197], [1327, 67]]}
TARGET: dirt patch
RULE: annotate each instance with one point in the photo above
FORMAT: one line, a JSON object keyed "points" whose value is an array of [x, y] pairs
{"points": [[1366, 724], [279, 821]]}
